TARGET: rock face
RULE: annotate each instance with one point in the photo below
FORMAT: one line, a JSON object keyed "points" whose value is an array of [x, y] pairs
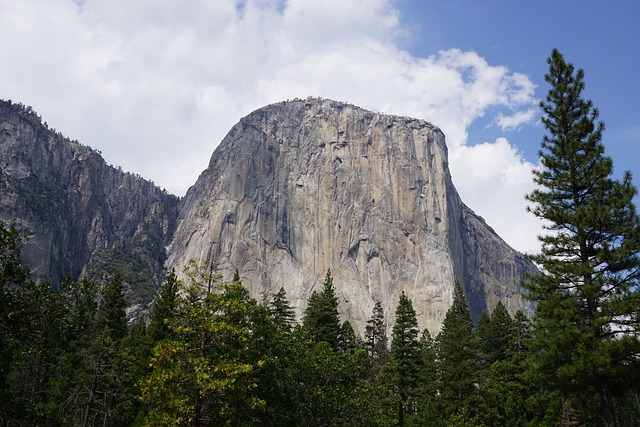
{"points": [[294, 189], [300, 187], [86, 218]]}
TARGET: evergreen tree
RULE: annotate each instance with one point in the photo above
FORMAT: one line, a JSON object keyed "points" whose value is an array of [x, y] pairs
{"points": [[321, 320], [204, 373], [98, 375], [495, 334], [406, 356], [457, 350], [41, 339], [112, 311], [585, 331], [164, 308], [375, 341], [503, 388], [427, 409], [348, 340], [12, 275], [281, 309]]}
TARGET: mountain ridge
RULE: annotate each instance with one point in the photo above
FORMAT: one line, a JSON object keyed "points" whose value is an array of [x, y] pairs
{"points": [[86, 218], [295, 188]]}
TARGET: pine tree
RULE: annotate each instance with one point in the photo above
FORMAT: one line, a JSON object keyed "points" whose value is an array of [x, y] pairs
{"points": [[457, 349], [585, 330], [164, 308], [321, 320], [281, 310], [112, 311], [495, 333], [375, 340], [406, 356], [12, 274], [348, 340], [503, 389]]}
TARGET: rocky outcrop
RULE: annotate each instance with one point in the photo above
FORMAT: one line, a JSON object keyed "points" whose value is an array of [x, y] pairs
{"points": [[300, 187], [294, 189], [86, 217]]}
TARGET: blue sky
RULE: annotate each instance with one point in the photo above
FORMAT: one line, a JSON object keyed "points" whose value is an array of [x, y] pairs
{"points": [[156, 84], [603, 39]]}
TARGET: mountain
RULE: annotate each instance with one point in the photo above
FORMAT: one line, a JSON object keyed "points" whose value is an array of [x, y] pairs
{"points": [[300, 187], [294, 189], [86, 218]]}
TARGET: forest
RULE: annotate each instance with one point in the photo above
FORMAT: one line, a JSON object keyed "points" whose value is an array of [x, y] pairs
{"points": [[208, 354]]}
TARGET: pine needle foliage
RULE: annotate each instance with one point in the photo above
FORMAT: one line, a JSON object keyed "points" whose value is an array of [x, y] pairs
{"points": [[585, 330]]}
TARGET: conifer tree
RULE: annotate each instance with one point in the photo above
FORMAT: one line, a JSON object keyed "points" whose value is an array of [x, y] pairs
{"points": [[164, 308], [375, 340], [112, 311], [495, 333], [321, 320], [203, 374], [585, 330], [348, 340], [281, 309], [12, 274], [457, 349], [406, 356]]}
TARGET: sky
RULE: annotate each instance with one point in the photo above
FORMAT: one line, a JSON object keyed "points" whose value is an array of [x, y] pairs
{"points": [[156, 84]]}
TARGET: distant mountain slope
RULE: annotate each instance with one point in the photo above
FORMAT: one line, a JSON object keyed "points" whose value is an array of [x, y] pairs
{"points": [[299, 187], [86, 217]]}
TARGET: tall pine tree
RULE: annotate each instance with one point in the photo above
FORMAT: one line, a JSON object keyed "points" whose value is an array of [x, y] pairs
{"points": [[375, 341], [281, 310], [457, 350], [585, 330], [321, 320], [406, 356]]}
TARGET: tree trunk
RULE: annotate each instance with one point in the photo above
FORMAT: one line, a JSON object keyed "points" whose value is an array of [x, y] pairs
{"points": [[606, 403]]}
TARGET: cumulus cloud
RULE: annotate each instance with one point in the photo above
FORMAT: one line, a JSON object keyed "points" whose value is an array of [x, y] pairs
{"points": [[156, 85], [499, 166], [514, 121]]}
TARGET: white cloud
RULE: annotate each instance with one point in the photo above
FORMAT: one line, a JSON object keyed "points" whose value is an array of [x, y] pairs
{"points": [[496, 177], [514, 121], [156, 85]]}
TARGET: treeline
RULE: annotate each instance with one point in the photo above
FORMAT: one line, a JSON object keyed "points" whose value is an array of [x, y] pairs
{"points": [[211, 355]]}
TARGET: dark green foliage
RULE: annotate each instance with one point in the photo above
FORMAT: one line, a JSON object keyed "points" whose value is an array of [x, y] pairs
{"points": [[503, 388], [406, 356], [164, 308], [41, 339], [321, 320], [495, 334], [458, 360], [12, 274], [584, 342], [281, 309], [134, 267], [348, 340], [112, 312], [375, 339]]}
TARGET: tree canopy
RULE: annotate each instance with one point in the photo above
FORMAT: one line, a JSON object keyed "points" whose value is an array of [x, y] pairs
{"points": [[585, 330]]}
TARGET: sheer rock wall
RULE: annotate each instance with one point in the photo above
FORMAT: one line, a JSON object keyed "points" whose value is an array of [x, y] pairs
{"points": [[299, 187]]}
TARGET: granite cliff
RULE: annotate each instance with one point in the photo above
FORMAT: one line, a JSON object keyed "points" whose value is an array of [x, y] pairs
{"points": [[294, 189], [300, 187], [86, 218]]}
